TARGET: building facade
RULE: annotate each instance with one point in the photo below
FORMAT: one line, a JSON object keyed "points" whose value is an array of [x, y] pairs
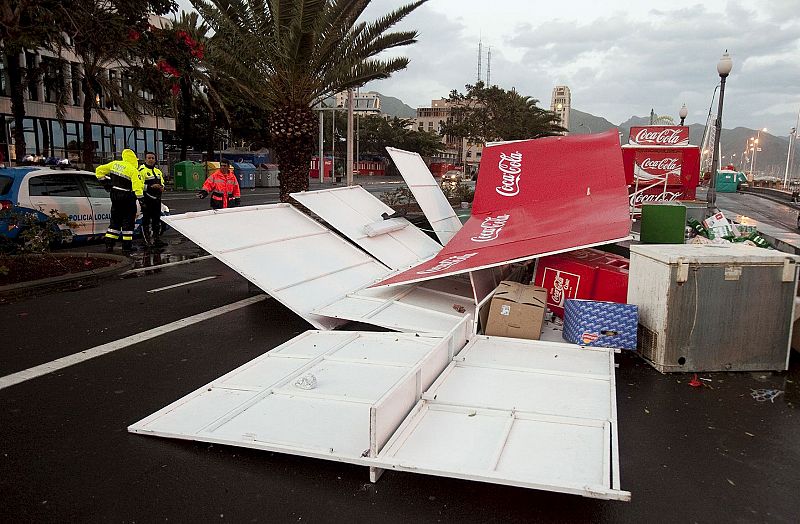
{"points": [[560, 104], [364, 103], [458, 151], [47, 136]]}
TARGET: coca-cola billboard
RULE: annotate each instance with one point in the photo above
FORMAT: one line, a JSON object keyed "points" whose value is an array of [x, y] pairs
{"points": [[669, 136]]}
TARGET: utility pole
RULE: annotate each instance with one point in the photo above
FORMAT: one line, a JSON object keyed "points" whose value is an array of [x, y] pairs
{"points": [[350, 137], [321, 156]]}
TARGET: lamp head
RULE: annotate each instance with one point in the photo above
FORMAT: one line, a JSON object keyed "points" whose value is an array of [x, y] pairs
{"points": [[725, 65]]}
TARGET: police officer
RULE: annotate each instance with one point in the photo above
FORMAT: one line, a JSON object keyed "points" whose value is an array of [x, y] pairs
{"points": [[153, 187], [124, 181]]}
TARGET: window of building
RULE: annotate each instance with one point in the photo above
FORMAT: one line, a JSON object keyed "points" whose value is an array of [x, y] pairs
{"points": [[150, 138], [160, 145], [56, 185], [45, 137], [53, 79], [119, 139], [108, 136], [57, 137], [33, 85], [3, 81], [73, 136], [76, 83], [140, 145], [31, 146]]}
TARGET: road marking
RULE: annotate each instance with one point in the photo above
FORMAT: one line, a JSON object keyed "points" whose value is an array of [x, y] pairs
{"points": [[77, 358], [181, 284], [168, 264]]}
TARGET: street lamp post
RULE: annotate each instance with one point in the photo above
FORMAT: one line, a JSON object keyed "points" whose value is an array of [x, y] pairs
{"points": [[724, 67], [683, 113]]}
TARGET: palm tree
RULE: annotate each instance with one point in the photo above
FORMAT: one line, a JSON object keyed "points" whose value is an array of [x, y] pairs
{"points": [[24, 25], [287, 55], [100, 40]]}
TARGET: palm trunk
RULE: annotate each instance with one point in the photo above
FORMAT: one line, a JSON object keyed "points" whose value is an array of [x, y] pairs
{"points": [[186, 109], [212, 125], [17, 104], [88, 143], [293, 130]]}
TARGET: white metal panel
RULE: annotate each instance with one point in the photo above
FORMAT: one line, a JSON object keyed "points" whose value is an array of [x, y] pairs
{"points": [[427, 193], [523, 413], [260, 405], [351, 209], [432, 307], [284, 252]]}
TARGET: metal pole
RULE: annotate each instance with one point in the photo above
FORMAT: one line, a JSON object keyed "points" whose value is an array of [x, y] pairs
{"points": [[333, 146], [350, 137], [712, 186], [321, 157], [788, 156]]}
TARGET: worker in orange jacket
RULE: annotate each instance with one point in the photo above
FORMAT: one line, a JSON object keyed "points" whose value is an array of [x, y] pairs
{"points": [[223, 187]]}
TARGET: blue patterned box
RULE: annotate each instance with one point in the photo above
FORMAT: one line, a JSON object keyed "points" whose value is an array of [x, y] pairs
{"points": [[600, 324]]}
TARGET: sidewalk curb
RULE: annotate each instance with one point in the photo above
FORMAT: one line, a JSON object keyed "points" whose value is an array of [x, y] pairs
{"points": [[70, 280]]}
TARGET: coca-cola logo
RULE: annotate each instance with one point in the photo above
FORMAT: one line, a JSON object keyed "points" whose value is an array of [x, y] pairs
{"points": [[561, 285], [661, 164], [637, 199], [511, 167], [447, 263], [668, 136], [490, 228]]}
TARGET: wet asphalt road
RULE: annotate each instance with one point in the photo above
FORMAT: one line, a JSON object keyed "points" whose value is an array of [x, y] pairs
{"points": [[710, 454]]}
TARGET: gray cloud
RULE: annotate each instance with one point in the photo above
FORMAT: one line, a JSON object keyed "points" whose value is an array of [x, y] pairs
{"points": [[617, 63]]}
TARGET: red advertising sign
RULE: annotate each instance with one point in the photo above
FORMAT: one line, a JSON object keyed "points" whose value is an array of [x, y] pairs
{"points": [[669, 136], [657, 167], [536, 197]]}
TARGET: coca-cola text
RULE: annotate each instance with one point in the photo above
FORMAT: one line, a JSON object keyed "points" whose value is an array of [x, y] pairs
{"points": [[511, 167]]}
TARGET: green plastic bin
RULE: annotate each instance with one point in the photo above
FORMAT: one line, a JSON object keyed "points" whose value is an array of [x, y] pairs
{"points": [[663, 224], [728, 181], [189, 176]]}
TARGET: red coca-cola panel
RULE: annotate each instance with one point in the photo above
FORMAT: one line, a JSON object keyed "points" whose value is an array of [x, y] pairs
{"points": [[657, 160], [669, 136], [586, 274], [535, 198]]}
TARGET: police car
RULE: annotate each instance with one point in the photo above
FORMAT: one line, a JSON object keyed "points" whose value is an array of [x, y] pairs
{"points": [[77, 194]]}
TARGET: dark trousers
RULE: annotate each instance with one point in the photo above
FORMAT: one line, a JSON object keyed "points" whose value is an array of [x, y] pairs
{"points": [[123, 217], [151, 217]]}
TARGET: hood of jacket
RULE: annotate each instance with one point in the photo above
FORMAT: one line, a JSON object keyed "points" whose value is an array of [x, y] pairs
{"points": [[129, 157]]}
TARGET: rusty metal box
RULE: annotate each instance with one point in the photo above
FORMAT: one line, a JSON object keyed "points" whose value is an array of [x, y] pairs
{"points": [[713, 307]]}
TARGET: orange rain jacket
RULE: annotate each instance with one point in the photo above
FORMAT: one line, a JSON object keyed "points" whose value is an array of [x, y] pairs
{"points": [[222, 187]]}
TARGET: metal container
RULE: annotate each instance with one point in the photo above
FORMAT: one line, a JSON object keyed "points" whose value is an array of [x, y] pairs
{"points": [[713, 308]]}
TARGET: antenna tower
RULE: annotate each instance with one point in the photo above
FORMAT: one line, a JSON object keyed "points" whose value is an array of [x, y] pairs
{"points": [[480, 52], [489, 67]]}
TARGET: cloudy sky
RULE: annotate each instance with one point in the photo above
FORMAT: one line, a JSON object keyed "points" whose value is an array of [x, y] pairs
{"points": [[619, 58]]}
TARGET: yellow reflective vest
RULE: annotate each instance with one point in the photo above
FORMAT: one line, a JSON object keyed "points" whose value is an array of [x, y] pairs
{"points": [[124, 174], [151, 177]]}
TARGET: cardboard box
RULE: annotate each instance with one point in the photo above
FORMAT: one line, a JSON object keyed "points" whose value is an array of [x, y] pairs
{"points": [[601, 324], [516, 311]]}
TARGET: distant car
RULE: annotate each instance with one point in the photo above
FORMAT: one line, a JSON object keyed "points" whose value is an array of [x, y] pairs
{"points": [[452, 176], [77, 194]]}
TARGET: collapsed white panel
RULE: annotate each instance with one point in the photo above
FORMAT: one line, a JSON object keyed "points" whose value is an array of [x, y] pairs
{"points": [[351, 210], [427, 192], [294, 259], [433, 307], [524, 413], [262, 404]]}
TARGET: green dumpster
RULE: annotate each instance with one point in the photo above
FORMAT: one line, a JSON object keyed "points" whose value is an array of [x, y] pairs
{"points": [[189, 176], [728, 181]]}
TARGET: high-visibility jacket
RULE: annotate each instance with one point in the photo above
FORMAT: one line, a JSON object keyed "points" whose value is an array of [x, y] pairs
{"points": [[123, 174], [152, 176], [222, 186]]}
